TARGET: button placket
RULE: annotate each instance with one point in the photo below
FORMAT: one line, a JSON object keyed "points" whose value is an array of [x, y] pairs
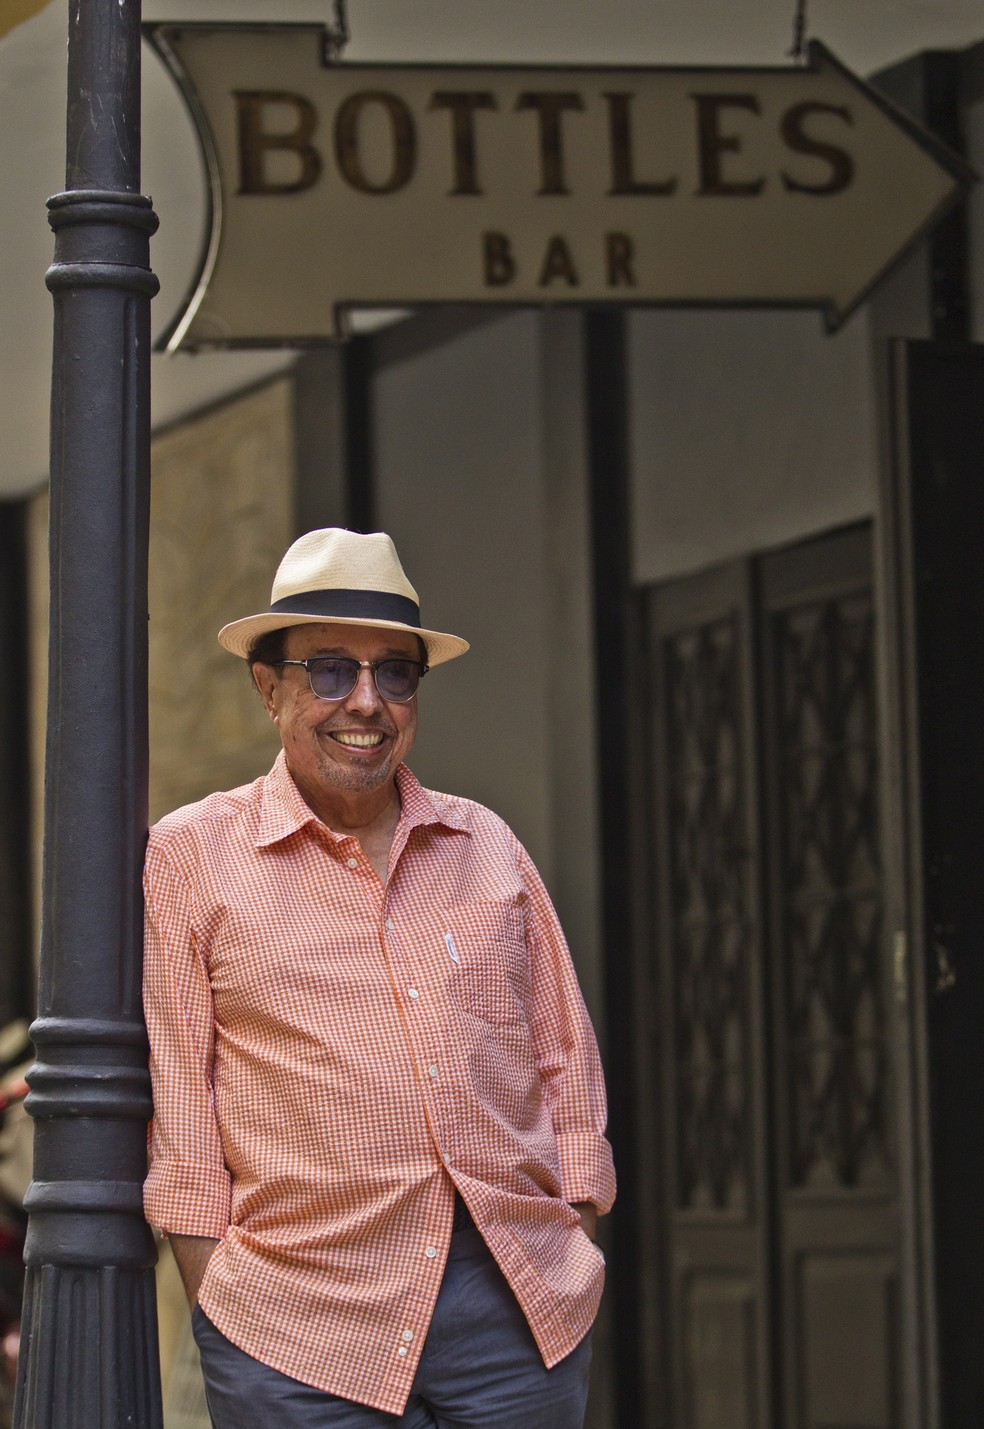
{"points": [[416, 998]]}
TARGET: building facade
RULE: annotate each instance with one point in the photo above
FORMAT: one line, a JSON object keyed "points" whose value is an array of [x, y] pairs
{"points": [[720, 574]]}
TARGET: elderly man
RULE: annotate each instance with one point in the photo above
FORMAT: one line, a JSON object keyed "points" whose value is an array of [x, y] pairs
{"points": [[378, 1145]]}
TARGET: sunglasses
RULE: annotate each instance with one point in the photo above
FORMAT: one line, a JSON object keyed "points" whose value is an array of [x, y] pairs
{"points": [[333, 677]]}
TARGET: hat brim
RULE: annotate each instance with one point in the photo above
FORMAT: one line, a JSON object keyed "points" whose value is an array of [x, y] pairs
{"points": [[239, 635]]}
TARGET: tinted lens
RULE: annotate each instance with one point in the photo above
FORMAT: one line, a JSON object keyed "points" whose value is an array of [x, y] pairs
{"points": [[397, 679], [333, 677]]}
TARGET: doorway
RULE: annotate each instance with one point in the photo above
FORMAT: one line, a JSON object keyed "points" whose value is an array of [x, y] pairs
{"points": [[767, 1155]]}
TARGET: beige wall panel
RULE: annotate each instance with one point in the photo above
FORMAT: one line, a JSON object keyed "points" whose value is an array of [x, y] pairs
{"points": [[221, 517]]}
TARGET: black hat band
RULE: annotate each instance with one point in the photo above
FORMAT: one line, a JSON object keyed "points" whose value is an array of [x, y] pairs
{"points": [[351, 605]]}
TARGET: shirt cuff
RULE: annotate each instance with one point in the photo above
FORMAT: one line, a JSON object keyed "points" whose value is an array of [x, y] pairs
{"points": [[587, 1169], [188, 1198]]}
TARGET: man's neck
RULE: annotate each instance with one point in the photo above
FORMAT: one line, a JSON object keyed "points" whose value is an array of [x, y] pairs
{"points": [[369, 815]]}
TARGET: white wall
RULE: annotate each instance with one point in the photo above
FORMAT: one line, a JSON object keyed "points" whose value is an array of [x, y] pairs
{"points": [[749, 430], [459, 488]]}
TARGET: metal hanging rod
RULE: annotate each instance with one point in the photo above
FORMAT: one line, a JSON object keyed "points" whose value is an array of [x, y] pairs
{"points": [[337, 34]]}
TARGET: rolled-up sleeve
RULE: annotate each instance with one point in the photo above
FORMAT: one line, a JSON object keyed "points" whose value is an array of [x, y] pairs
{"points": [[188, 1188], [567, 1054]]}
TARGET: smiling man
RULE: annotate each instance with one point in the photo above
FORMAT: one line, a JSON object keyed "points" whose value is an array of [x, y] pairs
{"points": [[378, 1144]]}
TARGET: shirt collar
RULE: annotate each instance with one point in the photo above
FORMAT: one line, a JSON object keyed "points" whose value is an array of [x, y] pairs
{"points": [[419, 806], [283, 811]]}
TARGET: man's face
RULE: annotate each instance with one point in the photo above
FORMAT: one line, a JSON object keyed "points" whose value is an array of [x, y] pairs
{"points": [[326, 740]]}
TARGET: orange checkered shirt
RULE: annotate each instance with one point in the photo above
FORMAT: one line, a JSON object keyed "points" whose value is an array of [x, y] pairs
{"points": [[331, 1058]]}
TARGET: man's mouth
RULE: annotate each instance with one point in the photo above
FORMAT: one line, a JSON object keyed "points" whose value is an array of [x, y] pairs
{"points": [[357, 741]]}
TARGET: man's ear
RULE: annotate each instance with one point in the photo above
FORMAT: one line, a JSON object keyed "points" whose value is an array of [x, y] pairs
{"points": [[266, 681]]}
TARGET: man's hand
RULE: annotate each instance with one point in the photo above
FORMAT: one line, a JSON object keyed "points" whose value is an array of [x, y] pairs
{"points": [[192, 1253], [589, 1217]]}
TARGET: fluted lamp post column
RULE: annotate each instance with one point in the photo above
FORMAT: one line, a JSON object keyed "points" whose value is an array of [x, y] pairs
{"points": [[89, 1335]]}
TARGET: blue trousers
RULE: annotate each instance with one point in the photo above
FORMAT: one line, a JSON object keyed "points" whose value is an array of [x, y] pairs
{"points": [[479, 1369]]}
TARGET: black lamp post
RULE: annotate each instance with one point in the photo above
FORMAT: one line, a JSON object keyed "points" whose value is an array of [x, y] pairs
{"points": [[89, 1336]]}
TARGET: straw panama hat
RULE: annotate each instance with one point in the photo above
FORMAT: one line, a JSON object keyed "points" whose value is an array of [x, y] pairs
{"points": [[345, 578]]}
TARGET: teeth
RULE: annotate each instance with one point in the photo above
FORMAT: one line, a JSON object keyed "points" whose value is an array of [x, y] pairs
{"points": [[361, 741]]}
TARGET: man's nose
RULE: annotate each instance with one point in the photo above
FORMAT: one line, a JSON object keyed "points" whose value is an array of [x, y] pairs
{"points": [[365, 696]]}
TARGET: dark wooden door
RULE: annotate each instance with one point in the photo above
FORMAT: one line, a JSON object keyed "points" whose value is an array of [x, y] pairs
{"points": [[933, 574], [771, 1158]]}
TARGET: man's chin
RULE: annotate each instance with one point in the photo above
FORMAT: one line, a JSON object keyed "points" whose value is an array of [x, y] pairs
{"points": [[354, 778]]}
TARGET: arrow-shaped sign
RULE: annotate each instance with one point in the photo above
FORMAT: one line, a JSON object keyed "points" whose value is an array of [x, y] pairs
{"points": [[338, 185]]}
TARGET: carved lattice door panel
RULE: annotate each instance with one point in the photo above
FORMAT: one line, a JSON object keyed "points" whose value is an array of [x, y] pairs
{"points": [[835, 1181], [780, 1276], [707, 1070]]}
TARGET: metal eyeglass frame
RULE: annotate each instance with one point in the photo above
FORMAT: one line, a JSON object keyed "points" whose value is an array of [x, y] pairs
{"points": [[359, 666]]}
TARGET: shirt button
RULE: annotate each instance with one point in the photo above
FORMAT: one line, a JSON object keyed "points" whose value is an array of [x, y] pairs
{"points": [[446, 1159], [353, 862], [412, 993], [432, 1069], [407, 1336], [389, 925], [401, 1349], [430, 1252]]}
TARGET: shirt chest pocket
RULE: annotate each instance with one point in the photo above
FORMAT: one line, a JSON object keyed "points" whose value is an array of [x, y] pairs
{"points": [[489, 975]]}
